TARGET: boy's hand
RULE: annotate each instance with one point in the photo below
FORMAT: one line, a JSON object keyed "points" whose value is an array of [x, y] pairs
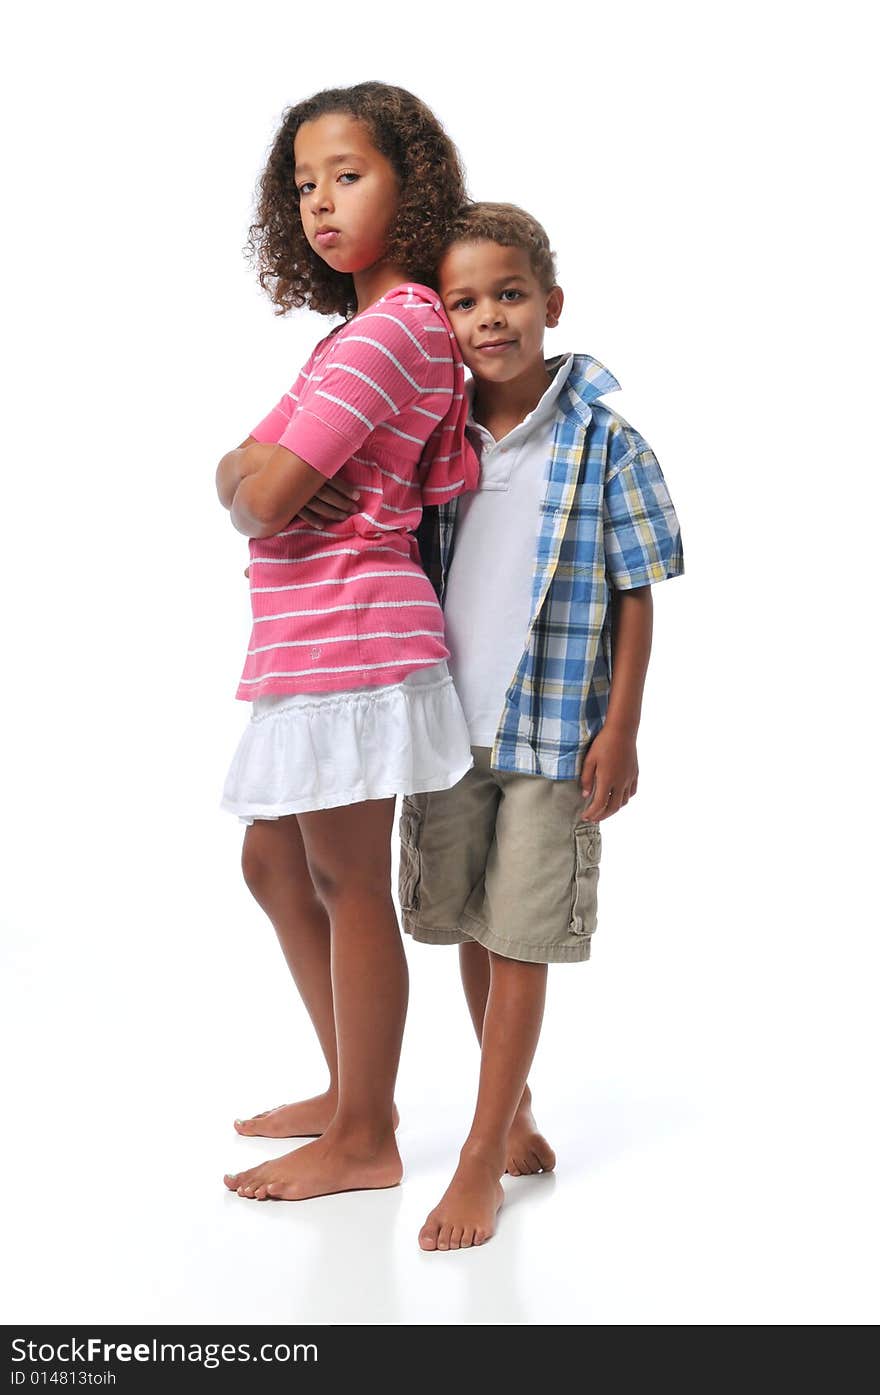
{"points": [[334, 501], [610, 773]]}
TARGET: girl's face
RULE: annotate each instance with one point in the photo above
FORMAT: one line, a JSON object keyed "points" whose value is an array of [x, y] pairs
{"points": [[348, 192]]}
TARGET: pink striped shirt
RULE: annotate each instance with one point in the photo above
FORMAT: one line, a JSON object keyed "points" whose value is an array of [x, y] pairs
{"points": [[380, 403]]}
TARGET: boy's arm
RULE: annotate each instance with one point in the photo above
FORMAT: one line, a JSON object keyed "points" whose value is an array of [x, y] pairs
{"points": [[610, 772]]}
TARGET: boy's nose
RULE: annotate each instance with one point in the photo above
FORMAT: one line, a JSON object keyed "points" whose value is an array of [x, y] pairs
{"points": [[492, 316]]}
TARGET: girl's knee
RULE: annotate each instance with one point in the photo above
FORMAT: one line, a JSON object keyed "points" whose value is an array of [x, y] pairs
{"points": [[257, 870], [267, 875], [339, 887]]}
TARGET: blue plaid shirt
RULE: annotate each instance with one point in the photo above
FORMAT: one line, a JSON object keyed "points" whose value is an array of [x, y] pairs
{"points": [[606, 523]]}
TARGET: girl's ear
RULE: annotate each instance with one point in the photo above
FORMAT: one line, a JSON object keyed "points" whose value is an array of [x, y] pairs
{"points": [[554, 307]]}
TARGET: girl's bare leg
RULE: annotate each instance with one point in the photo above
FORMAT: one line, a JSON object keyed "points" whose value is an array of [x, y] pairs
{"points": [[511, 1027], [277, 874], [527, 1150], [349, 856]]}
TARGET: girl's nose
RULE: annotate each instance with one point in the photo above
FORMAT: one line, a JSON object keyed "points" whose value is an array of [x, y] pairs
{"points": [[321, 201]]}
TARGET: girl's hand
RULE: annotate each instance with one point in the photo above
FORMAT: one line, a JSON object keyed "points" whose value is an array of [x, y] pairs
{"points": [[335, 501], [610, 773]]}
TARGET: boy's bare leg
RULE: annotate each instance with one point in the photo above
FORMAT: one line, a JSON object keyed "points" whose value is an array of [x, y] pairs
{"points": [[349, 855], [277, 874], [527, 1150], [511, 1027]]}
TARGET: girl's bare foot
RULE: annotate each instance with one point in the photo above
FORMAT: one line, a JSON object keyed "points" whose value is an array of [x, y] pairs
{"points": [[527, 1150], [305, 1119], [467, 1210], [337, 1162]]}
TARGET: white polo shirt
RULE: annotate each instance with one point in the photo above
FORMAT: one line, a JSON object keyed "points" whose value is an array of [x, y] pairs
{"points": [[488, 601]]}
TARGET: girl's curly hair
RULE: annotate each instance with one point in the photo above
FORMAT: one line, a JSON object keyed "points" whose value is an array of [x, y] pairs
{"points": [[431, 177]]}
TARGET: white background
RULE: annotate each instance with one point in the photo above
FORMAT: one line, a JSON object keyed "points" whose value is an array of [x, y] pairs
{"points": [[708, 1078]]}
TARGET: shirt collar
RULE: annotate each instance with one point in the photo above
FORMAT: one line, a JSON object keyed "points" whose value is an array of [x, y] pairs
{"points": [[559, 369], [587, 380], [583, 377]]}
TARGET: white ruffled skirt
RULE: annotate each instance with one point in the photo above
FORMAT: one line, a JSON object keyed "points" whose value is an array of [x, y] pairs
{"points": [[307, 751]]}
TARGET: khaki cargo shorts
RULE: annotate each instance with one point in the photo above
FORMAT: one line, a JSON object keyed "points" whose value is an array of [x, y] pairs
{"points": [[503, 859]]}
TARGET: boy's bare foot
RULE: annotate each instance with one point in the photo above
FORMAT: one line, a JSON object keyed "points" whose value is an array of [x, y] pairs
{"points": [[467, 1210], [305, 1119], [527, 1150], [334, 1163]]}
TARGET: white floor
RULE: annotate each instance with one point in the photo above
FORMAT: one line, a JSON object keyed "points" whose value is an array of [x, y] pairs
{"points": [[710, 1108]]}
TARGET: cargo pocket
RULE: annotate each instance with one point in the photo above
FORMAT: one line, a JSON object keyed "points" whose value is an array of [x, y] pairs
{"points": [[410, 872], [584, 901]]}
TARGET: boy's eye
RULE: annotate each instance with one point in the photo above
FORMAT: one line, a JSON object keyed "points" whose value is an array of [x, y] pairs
{"points": [[517, 295], [466, 303]]}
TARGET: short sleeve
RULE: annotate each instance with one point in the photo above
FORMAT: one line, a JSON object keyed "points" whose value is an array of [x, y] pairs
{"points": [[642, 534], [368, 375]]}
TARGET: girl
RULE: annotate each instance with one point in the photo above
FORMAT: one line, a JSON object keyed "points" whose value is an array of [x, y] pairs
{"points": [[346, 669]]}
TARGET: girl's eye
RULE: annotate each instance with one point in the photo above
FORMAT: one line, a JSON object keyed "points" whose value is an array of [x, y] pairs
{"points": [[305, 189], [349, 174]]}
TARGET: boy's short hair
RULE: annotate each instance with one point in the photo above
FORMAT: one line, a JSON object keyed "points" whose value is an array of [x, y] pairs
{"points": [[508, 226]]}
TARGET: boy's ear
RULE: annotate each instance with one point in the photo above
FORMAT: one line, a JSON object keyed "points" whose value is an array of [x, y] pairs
{"points": [[554, 307]]}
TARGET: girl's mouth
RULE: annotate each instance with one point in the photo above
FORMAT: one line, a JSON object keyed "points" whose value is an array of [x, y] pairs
{"points": [[328, 238]]}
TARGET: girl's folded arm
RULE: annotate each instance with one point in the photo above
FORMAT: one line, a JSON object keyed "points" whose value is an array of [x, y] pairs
{"points": [[270, 497], [230, 472]]}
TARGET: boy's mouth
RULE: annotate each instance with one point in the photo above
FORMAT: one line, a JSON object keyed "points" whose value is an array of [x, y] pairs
{"points": [[495, 346]]}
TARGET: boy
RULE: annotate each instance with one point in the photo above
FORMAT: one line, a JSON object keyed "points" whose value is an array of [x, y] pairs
{"points": [[544, 572]]}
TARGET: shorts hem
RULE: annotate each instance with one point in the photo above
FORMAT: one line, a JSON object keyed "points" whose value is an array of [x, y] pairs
{"points": [[508, 949]]}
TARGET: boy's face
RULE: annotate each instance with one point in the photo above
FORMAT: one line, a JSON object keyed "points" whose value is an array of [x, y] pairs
{"points": [[497, 307]]}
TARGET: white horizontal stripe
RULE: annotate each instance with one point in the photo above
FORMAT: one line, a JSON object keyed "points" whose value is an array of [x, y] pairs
{"points": [[423, 411], [340, 402], [342, 668], [386, 527], [334, 580], [383, 349], [375, 315], [336, 609], [391, 509], [298, 532], [390, 475], [356, 373], [312, 556], [383, 426], [342, 639], [442, 488], [378, 315]]}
